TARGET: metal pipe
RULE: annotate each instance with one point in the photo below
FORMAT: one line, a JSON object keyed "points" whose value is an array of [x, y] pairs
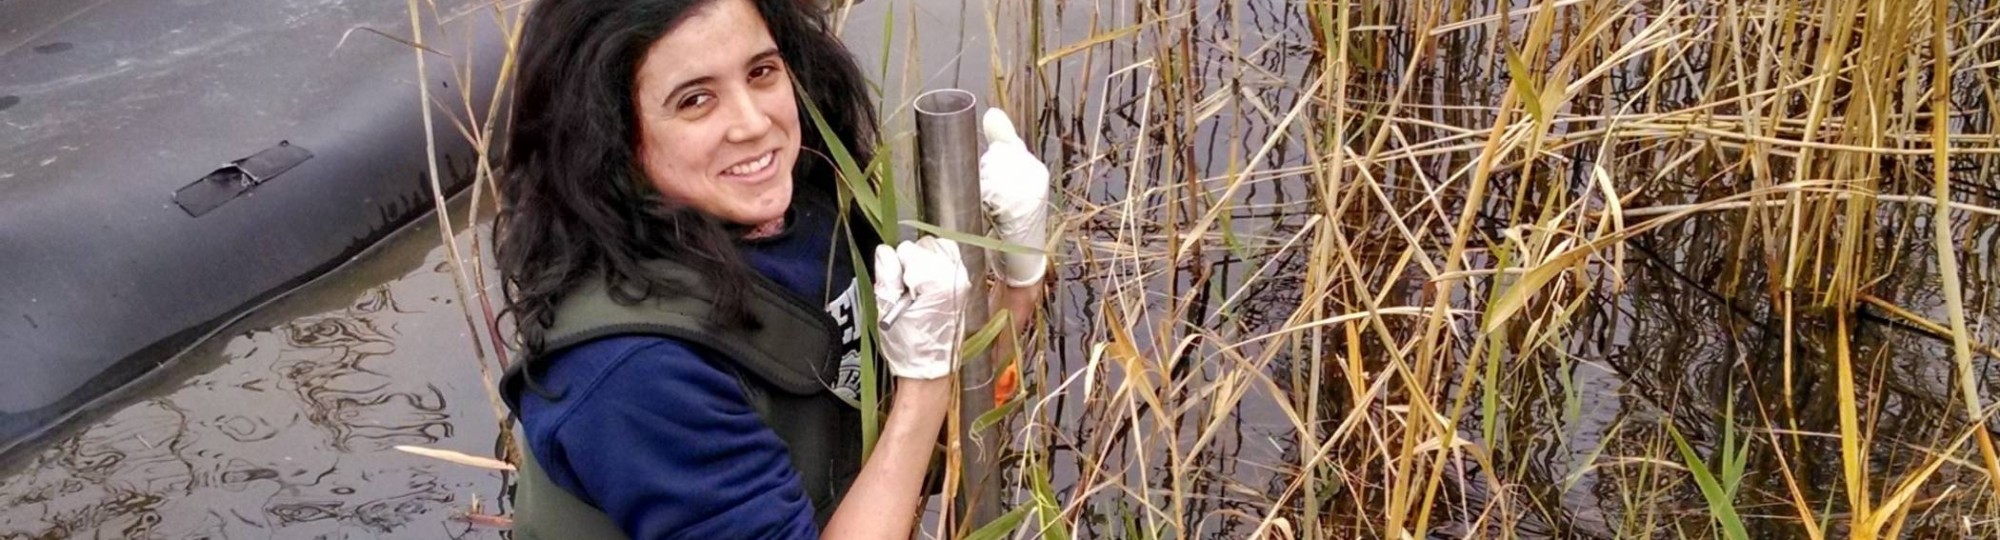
{"points": [[948, 194]]}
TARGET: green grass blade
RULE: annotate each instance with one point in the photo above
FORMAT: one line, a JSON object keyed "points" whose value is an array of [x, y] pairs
{"points": [[1001, 526], [864, 283], [1524, 83], [888, 37], [971, 240], [994, 416], [977, 343], [1718, 500], [1735, 453], [851, 177], [1046, 507], [885, 173]]}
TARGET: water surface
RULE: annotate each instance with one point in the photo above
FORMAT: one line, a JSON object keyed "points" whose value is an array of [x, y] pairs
{"points": [[282, 426]]}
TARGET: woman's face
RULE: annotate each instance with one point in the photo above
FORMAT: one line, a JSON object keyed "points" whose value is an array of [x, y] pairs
{"points": [[718, 125]]}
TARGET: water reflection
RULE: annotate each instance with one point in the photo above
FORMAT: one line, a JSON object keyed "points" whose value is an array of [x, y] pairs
{"points": [[283, 425], [1689, 333], [1147, 169], [327, 369]]}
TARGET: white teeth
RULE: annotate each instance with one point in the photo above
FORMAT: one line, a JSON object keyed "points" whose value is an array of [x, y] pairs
{"points": [[751, 167]]}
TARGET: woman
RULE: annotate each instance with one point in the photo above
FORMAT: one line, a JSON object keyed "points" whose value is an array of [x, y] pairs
{"points": [[679, 279]]}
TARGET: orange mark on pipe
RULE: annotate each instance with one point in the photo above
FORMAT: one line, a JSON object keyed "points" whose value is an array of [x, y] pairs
{"points": [[1005, 385]]}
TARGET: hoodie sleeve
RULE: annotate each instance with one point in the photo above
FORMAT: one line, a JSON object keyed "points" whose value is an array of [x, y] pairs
{"points": [[664, 442]]}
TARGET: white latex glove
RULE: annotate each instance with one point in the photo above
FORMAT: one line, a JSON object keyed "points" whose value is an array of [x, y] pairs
{"points": [[922, 342], [1014, 187]]}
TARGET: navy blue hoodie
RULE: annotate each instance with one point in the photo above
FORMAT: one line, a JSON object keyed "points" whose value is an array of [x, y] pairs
{"points": [[659, 435]]}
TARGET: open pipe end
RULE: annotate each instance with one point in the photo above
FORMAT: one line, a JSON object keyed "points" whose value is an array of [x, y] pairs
{"points": [[945, 102]]}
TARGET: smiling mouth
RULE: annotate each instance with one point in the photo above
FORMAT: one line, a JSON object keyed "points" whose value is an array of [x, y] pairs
{"points": [[753, 166]]}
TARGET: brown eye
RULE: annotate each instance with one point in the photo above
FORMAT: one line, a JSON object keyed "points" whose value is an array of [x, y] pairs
{"points": [[760, 72], [694, 100]]}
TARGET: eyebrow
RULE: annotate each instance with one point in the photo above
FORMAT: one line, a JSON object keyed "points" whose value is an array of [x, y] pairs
{"points": [[697, 81]]}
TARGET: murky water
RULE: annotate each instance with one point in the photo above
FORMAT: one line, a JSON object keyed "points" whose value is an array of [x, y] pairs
{"points": [[283, 425]]}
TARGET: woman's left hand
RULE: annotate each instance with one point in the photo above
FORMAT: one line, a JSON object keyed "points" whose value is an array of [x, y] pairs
{"points": [[1014, 187]]}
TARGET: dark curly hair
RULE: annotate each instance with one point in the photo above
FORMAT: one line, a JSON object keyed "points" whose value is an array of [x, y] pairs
{"points": [[577, 204]]}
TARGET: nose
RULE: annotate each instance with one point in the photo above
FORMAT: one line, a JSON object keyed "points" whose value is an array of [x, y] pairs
{"points": [[747, 122]]}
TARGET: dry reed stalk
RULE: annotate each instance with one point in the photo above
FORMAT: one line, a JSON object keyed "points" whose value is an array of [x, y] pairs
{"points": [[470, 285], [1404, 321], [1402, 181], [459, 278]]}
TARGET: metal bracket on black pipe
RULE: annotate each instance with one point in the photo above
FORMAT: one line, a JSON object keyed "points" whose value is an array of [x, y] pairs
{"points": [[238, 177], [948, 193]]}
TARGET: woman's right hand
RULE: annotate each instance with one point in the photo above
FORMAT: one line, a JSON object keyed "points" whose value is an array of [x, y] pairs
{"points": [[922, 342], [921, 346]]}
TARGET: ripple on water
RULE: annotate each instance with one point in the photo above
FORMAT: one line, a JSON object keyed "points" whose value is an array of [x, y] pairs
{"points": [[284, 425]]}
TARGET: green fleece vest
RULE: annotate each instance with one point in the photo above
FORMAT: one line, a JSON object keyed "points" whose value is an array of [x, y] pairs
{"points": [[786, 368]]}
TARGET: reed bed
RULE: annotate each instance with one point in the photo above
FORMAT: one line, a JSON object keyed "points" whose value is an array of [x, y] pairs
{"points": [[1432, 269], [1583, 268]]}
